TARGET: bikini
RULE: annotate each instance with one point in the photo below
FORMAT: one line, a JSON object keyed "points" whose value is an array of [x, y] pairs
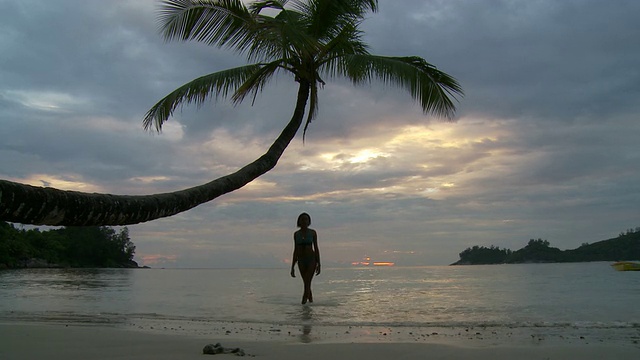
{"points": [[307, 240]]}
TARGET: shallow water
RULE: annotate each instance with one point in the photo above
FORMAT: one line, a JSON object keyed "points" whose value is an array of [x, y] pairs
{"points": [[556, 297]]}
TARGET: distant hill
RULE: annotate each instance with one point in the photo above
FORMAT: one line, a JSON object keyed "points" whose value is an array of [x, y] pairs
{"points": [[622, 248]]}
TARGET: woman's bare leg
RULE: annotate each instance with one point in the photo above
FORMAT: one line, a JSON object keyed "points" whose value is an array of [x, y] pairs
{"points": [[306, 273], [307, 286], [308, 280]]}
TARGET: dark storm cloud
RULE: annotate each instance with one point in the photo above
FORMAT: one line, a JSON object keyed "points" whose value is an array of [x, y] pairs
{"points": [[548, 59]]}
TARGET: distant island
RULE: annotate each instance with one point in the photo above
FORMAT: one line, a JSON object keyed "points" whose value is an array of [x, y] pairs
{"points": [[77, 246], [622, 248]]}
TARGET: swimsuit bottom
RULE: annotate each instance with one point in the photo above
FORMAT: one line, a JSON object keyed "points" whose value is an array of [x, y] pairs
{"points": [[306, 261]]}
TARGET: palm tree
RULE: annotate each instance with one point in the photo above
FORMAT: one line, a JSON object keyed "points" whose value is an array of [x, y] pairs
{"points": [[307, 39]]}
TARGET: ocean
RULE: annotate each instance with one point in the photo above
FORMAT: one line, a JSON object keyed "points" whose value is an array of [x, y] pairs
{"points": [[537, 302]]}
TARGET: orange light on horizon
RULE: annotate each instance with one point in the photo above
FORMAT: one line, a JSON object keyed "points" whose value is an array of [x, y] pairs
{"points": [[367, 262], [374, 263], [383, 263]]}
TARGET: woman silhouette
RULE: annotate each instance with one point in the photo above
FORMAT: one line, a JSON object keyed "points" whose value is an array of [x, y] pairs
{"points": [[306, 254]]}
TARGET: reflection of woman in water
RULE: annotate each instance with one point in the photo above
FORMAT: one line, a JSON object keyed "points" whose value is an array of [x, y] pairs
{"points": [[306, 254]]}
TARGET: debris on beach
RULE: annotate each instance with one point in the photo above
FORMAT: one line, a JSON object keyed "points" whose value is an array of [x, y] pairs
{"points": [[212, 349]]}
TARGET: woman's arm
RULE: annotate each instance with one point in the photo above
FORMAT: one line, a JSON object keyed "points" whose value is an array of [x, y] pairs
{"points": [[294, 258], [315, 245]]}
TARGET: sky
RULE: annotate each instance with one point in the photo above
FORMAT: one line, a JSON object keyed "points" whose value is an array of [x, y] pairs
{"points": [[544, 143]]}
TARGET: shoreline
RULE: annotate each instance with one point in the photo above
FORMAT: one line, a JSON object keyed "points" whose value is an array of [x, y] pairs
{"points": [[70, 341], [312, 332]]}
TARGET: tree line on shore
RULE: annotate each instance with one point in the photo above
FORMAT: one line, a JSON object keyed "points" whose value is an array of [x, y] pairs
{"points": [[76, 246], [622, 248]]}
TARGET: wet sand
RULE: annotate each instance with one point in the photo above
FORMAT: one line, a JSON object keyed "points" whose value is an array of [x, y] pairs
{"points": [[81, 341]]}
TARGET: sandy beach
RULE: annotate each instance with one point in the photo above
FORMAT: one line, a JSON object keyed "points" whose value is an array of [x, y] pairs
{"points": [[77, 341]]}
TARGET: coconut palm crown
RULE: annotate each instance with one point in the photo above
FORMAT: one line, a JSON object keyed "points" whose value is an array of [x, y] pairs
{"points": [[311, 40], [307, 39]]}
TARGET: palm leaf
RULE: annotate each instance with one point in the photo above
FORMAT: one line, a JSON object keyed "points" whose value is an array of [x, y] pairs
{"points": [[215, 22], [347, 42], [258, 6], [257, 80], [220, 83], [313, 108], [429, 86], [283, 37], [280, 38], [327, 18]]}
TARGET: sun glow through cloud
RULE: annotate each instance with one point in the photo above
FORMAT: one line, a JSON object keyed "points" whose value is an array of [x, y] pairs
{"points": [[69, 182], [43, 100], [149, 179], [366, 155]]}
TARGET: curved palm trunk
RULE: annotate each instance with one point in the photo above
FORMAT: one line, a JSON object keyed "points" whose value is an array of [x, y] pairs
{"points": [[48, 206]]}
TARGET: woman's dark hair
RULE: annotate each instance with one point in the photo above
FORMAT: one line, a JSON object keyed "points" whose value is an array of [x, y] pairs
{"points": [[300, 218]]}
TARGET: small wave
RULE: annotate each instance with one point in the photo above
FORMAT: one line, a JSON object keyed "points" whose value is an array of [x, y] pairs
{"points": [[303, 315]]}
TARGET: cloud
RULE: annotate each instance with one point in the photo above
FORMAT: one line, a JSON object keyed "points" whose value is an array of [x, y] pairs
{"points": [[543, 144]]}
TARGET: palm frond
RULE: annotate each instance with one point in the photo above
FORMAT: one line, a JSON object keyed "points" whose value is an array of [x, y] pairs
{"points": [[304, 37], [326, 18], [347, 42], [256, 82], [280, 38], [313, 108], [430, 87], [214, 22], [364, 6], [258, 6], [284, 36], [197, 91]]}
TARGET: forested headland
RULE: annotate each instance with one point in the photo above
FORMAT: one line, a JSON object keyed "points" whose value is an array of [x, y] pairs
{"points": [[622, 248], [77, 246]]}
